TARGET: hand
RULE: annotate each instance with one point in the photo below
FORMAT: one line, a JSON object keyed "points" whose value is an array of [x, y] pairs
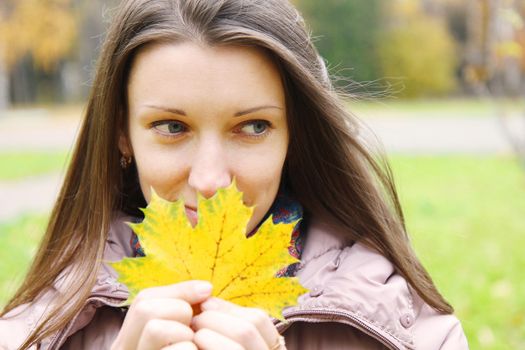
{"points": [[160, 317], [224, 325]]}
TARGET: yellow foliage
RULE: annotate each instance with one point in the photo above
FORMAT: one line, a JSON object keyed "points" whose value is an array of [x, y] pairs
{"points": [[509, 49], [419, 50], [45, 29], [242, 270], [404, 8]]}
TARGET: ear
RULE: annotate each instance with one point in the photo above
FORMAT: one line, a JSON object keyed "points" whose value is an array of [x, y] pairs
{"points": [[124, 146]]}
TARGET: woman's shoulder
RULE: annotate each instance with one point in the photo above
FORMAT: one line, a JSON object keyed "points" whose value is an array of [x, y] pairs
{"points": [[19, 322], [14, 327], [352, 284]]}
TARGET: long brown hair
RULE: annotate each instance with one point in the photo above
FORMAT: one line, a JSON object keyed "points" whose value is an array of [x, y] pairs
{"points": [[328, 168]]}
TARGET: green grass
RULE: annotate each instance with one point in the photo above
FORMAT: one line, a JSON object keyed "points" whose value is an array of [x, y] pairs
{"points": [[19, 165], [18, 240], [467, 222], [466, 219]]}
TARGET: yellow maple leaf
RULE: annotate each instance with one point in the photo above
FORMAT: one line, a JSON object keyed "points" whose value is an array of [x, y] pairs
{"points": [[242, 270]]}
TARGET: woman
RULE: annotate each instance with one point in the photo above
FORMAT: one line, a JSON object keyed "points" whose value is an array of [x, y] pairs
{"points": [[188, 95]]}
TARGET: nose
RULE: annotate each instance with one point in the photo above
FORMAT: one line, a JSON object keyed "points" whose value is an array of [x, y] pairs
{"points": [[209, 170]]}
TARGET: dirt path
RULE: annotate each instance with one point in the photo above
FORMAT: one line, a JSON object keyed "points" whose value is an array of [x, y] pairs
{"points": [[33, 195]]}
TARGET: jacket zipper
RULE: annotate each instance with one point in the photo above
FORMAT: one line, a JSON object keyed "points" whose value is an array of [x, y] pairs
{"points": [[104, 298], [329, 315]]}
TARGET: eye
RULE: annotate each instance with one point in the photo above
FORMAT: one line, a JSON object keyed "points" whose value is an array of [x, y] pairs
{"points": [[255, 127], [169, 127]]}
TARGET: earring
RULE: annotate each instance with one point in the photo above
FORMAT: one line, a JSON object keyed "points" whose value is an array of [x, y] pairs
{"points": [[125, 161]]}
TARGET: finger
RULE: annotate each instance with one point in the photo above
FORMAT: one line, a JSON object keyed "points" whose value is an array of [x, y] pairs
{"points": [[207, 339], [187, 345], [159, 333], [234, 328], [193, 292], [257, 317], [144, 310], [174, 305], [166, 309]]}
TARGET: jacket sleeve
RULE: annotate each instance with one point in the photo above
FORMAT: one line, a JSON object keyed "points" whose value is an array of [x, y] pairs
{"points": [[447, 332], [328, 336], [455, 338]]}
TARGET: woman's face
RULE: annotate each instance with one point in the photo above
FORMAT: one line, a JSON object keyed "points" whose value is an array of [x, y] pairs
{"points": [[200, 116]]}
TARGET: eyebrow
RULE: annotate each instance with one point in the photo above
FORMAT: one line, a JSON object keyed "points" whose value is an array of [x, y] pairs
{"points": [[238, 114], [255, 109], [168, 109]]}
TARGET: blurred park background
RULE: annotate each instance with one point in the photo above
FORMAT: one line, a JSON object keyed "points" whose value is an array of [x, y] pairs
{"points": [[440, 82]]}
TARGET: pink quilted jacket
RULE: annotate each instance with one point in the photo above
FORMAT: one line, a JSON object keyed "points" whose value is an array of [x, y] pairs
{"points": [[356, 301]]}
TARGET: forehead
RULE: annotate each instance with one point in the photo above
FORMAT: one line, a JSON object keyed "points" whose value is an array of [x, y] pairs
{"points": [[193, 74]]}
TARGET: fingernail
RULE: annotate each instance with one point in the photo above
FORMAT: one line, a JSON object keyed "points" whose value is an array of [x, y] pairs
{"points": [[203, 288], [210, 304]]}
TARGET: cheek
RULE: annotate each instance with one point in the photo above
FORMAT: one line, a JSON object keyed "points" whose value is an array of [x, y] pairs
{"points": [[259, 192], [157, 171], [259, 178], [259, 170]]}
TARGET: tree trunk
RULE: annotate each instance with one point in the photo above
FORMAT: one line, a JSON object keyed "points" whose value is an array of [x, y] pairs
{"points": [[4, 86]]}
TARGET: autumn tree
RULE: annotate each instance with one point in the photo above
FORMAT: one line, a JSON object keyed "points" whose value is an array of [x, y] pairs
{"points": [[42, 29], [417, 48], [494, 57], [45, 29]]}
